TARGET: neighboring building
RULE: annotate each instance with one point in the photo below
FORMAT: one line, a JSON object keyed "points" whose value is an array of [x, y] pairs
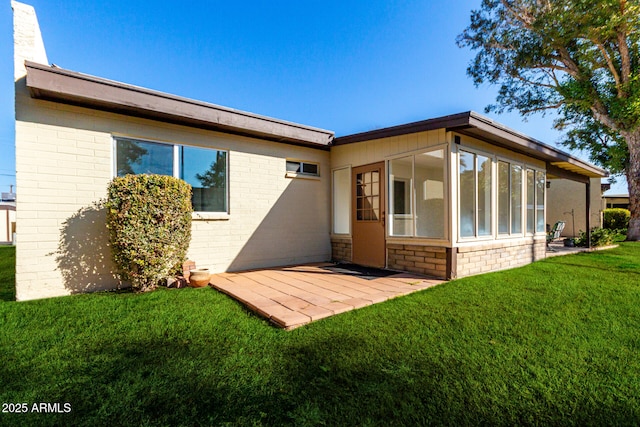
{"points": [[616, 201], [7, 222], [448, 197], [566, 201]]}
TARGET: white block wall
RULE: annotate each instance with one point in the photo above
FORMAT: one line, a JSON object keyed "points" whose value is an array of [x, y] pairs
{"points": [[64, 162]]}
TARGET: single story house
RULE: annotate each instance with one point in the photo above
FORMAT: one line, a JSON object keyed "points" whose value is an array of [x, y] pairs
{"points": [[7, 222], [616, 201], [566, 202], [449, 197]]}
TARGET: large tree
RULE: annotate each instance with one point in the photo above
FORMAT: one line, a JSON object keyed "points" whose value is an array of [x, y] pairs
{"points": [[579, 57]]}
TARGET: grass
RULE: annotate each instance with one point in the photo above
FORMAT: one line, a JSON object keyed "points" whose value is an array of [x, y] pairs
{"points": [[7, 273], [555, 342]]}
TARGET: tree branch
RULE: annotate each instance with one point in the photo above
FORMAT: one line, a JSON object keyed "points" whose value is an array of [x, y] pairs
{"points": [[600, 113], [566, 59], [527, 22], [545, 108], [623, 47], [610, 64], [533, 83]]}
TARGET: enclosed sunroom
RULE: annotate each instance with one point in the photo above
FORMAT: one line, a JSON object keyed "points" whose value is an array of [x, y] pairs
{"points": [[448, 197]]}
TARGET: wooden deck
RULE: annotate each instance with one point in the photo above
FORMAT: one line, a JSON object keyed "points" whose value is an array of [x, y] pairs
{"points": [[294, 296]]}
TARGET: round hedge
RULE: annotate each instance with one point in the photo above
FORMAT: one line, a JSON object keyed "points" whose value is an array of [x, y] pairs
{"points": [[616, 218], [149, 222]]}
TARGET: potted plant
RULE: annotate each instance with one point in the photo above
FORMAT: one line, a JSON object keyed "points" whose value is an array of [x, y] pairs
{"points": [[199, 277]]}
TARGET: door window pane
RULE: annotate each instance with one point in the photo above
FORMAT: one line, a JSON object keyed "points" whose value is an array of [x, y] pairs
{"points": [[206, 171], [138, 157], [429, 179], [467, 184], [367, 199], [516, 199]]}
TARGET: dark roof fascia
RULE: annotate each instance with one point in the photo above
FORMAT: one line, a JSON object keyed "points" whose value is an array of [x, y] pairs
{"points": [[500, 134], [70, 87], [478, 126], [452, 121]]}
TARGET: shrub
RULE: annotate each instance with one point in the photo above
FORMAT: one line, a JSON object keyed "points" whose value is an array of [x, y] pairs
{"points": [[616, 218], [599, 237], [149, 222]]}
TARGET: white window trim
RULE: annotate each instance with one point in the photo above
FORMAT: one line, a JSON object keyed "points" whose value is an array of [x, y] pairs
{"points": [[350, 204], [494, 196], [196, 215], [523, 200], [536, 170], [544, 232], [446, 194], [495, 158], [303, 175]]}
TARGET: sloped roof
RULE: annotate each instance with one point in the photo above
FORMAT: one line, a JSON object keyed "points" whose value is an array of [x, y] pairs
{"points": [[559, 163], [61, 85]]}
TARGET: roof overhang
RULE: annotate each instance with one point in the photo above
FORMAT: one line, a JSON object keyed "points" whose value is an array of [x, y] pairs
{"points": [[559, 164], [59, 85]]}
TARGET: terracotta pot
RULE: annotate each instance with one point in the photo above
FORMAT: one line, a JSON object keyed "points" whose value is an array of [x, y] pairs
{"points": [[199, 277]]}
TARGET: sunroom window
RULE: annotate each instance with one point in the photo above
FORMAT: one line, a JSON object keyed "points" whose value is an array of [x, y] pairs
{"points": [[475, 185], [541, 183], [417, 189], [509, 198], [205, 169], [535, 186]]}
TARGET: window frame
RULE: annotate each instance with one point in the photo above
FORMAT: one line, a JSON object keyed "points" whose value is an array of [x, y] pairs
{"points": [[535, 171], [302, 174], [176, 172], [544, 201], [523, 217], [493, 197], [411, 182], [346, 195], [495, 234]]}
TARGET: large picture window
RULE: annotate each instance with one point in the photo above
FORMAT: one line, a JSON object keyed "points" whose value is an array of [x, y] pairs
{"points": [[206, 171], [203, 168], [417, 189], [518, 205], [475, 184]]}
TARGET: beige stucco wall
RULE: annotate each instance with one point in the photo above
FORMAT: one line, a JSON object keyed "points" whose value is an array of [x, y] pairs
{"points": [[372, 151], [363, 153], [64, 162], [565, 195]]}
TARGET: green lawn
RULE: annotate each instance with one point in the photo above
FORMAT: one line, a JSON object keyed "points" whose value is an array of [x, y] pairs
{"points": [[553, 343], [7, 273]]}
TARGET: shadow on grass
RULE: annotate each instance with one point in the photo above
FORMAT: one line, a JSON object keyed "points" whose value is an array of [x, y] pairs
{"points": [[153, 382], [341, 381]]}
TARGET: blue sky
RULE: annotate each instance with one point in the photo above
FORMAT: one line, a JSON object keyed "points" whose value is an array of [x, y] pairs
{"points": [[347, 66]]}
